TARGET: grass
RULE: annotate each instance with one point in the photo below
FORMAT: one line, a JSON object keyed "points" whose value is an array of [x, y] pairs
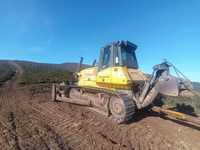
{"points": [[188, 105], [196, 86], [6, 72], [42, 73]]}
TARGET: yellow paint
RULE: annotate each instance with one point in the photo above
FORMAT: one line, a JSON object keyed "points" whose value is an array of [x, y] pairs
{"points": [[109, 78], [170, 113], [175, 114]]}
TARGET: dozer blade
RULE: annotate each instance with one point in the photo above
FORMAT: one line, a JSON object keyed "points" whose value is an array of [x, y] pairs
{"points": [[74, 101], [169, 86]]}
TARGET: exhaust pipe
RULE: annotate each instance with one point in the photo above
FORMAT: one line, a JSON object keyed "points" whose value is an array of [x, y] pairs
{"points": [[80, 64]]}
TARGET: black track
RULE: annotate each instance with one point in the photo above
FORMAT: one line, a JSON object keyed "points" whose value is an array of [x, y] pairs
{"points": [[129, 104]]}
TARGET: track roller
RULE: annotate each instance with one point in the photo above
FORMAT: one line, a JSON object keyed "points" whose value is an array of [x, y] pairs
{"points": [[122, 108]]}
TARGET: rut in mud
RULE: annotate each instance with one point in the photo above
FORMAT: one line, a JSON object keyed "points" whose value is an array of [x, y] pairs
{"points": [[83, 129], [17, 130], [29, 120]]}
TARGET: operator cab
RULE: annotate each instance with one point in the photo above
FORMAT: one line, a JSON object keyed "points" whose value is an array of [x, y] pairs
{"points": [[121, 53]]}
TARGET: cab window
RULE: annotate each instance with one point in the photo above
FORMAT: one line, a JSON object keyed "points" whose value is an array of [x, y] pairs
{"points": [[106, 58], [129, 58]]}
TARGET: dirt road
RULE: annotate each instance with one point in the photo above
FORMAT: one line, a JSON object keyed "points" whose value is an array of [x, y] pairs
{"points": [[28, 120]]}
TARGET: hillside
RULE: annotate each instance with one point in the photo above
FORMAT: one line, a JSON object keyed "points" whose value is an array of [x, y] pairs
{"points": [[6, 71], [71, 67], [196, 86], [34, 72]]}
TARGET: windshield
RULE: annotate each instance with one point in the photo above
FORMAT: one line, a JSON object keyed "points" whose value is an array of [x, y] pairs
{"points": [[129, 58]]}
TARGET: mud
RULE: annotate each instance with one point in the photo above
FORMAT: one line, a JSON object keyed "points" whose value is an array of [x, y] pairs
{"points": [[29, 120]]}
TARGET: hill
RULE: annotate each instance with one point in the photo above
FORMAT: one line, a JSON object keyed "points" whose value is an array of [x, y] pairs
{"points": [[71, 67], [196, 86], [34, 72], [6, 71]]}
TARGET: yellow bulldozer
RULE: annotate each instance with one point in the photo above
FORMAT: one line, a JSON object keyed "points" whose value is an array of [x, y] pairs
{"points": [[116, 87]]}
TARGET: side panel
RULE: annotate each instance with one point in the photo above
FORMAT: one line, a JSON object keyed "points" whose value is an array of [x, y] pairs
{"points": [[120, 76], [87, 77], [114, 77], [104, 76], [110, 78]]}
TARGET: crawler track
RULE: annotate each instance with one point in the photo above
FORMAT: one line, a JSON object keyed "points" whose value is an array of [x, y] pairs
{"points": [[116, 105]]}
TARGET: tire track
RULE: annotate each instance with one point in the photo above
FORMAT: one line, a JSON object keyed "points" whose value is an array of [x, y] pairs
{"points": [[74, 129], [57, 120], [83, 129]]}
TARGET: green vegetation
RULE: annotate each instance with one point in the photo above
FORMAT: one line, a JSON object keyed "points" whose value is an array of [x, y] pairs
{"points": [[42, 76], [42, 73], [189, 105], [6, 72], [196, 86]]}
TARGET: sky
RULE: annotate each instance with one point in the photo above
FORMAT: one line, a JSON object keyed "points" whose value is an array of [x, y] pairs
{"points": [[57, 31]]}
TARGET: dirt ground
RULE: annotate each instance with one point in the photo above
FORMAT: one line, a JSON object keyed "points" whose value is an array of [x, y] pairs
{"points": [[29, 120]]}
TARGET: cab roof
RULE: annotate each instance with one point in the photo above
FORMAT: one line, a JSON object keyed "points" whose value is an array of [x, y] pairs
{"points": [[122, 43]]}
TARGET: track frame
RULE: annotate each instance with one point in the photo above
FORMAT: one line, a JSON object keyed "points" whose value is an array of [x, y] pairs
{"points": [[98, 100]]}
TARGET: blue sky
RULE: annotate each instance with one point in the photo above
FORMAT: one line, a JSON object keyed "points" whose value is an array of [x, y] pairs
{"points": [[64, 30]]}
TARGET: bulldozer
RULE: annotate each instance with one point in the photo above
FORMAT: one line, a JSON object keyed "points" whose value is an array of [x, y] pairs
{"points": [[116, 87]]}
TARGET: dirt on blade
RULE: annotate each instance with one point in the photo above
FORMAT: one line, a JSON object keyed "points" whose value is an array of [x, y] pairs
{"points": [[29, 120]]}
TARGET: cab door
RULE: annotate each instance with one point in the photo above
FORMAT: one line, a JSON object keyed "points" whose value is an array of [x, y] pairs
{"points": [[104, 75]]}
